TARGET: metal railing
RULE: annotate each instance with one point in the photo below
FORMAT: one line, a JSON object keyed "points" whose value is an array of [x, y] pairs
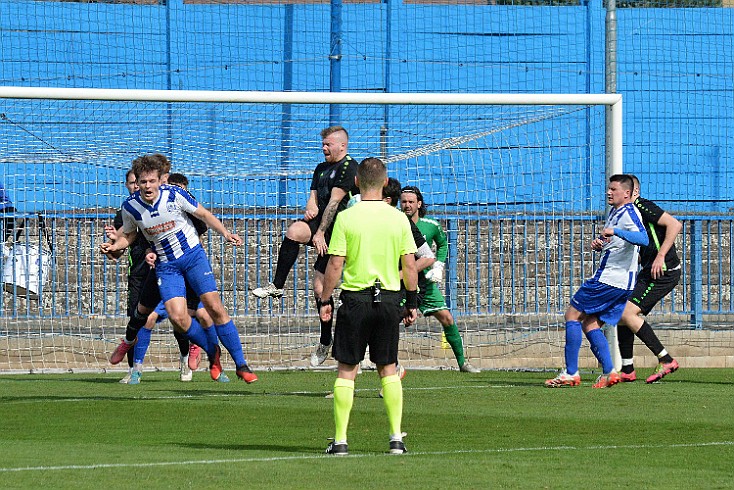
{"points": [[497, 267]]}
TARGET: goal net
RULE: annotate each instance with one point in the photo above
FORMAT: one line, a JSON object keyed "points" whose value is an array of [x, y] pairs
{"points": [[516, 180]]}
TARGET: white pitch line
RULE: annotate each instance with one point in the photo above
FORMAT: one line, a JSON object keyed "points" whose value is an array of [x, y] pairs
{"points": [[321, 456]]}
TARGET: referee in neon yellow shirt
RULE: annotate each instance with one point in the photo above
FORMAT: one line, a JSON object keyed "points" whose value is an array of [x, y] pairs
{"points": [[368, 243]]}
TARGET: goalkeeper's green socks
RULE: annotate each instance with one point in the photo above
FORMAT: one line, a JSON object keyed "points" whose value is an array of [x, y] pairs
{"points": [[392, 397], [453, 337], [343, 400]]}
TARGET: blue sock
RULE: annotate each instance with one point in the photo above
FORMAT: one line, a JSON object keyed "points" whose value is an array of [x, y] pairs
{"points": [[600, 348], [230, 338], [573, 346], [197, 335], [211, 335], [141, 346]]}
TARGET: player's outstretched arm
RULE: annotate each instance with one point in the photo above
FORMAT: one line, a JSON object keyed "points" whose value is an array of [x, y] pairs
{"points": [[213, 222], [112, 233], [635, 237], [120, 244]]}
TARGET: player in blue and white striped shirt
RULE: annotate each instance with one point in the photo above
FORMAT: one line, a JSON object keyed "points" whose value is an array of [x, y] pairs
{"points": [[602, 298], [159, 211]]}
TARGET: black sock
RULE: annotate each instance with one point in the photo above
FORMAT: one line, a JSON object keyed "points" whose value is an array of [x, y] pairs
{"points": [[647, 335], [183, 342], [626, 342], [287, 256], [134, 324]]}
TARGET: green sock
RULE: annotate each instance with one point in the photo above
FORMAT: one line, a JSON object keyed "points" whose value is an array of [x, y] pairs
{"points": [[343, 400], [392, 396], [453, 337]]}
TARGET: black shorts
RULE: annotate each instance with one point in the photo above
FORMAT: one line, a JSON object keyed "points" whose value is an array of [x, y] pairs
{"points": [[649, 292], [134, 287], [321, 260], [150, 295], [361, 323]]}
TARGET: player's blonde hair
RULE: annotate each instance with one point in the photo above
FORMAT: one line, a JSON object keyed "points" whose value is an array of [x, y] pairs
{"points": [[333, 129]]}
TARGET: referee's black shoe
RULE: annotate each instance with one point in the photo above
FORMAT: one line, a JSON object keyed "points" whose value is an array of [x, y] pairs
{"points": [[397, 447], [338, 449]]}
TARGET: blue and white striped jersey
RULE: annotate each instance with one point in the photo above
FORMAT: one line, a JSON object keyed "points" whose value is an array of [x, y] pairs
{"points": [[619, 261], [165, 224]]}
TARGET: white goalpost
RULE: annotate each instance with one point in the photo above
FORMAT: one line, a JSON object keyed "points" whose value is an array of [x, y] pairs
{"points": [[517, 181]]}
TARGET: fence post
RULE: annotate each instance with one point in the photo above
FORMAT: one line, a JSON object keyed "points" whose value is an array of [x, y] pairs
{"points": [[696, 285]]}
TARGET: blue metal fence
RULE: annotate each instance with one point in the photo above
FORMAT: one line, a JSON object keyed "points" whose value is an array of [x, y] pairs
{"points": [[496, 267]]}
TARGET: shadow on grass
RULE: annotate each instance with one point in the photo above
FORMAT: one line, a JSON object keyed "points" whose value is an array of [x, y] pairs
{"points": [[254, 447]]}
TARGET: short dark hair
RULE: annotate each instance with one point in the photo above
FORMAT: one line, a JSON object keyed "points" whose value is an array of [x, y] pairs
{"points": [[371, 173], [392, 190], [155, 162], [127, 174], [414, 190], [178, 179], [623, 179], [333, 129], [635, 180]]}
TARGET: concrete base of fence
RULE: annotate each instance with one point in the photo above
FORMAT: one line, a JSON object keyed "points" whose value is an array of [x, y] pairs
{"points": [[692, 348]]}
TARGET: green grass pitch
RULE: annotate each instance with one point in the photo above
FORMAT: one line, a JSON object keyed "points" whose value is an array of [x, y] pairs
{"points": [[494, 429]]}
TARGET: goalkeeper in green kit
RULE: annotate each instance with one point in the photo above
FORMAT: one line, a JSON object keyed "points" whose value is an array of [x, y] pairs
{"points": [[431, 302]]}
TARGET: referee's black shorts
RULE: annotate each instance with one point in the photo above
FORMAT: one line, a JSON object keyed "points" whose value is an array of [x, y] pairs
{"points": [[361, 323], [648, 291]]}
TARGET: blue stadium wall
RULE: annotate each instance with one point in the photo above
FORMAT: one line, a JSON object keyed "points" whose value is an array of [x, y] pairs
{"points": [[679, 130]]}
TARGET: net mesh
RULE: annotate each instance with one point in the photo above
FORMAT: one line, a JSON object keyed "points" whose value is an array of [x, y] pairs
{"points": [[518, 190]]}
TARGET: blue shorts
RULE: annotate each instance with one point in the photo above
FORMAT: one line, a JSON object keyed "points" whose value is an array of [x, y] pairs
{"points": [[192, 268], [601, 300], [160, 310]]}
